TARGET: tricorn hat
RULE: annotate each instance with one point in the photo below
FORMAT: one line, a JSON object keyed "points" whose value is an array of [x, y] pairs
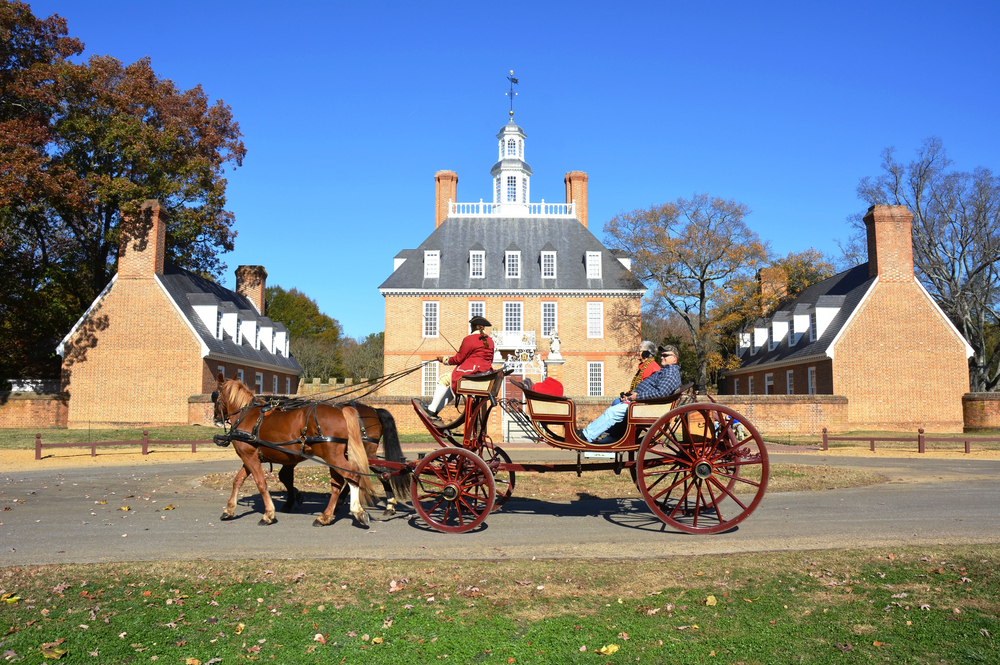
{"points": [[479, 321]]}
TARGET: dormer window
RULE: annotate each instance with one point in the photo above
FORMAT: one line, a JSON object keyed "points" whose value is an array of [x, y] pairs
{"points": [[548, 265], [593, 265], [432, 264], [771, 346], [511, 148], [812, 327], [218, 326], [240, 332], [256, 335], [477, 265], [512, 188], [513, 262]]}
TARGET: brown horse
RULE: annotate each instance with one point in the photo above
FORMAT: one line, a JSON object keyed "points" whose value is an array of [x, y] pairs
{"points": [[355, 431]]}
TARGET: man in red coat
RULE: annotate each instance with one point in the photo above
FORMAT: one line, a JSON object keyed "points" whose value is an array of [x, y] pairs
{"points": [[474, 355]]}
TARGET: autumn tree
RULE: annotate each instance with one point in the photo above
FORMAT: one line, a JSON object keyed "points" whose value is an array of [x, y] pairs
{"points": [[956, 243], [364, 357], [314, 337], [81, 144], [689, 252]]}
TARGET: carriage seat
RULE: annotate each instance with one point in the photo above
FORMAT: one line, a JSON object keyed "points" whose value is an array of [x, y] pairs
{"points": [[482, 384]]}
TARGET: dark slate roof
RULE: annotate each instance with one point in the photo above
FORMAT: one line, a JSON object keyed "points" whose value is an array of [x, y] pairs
{"points": [[844, 290], [187, 289], [457, 235]]}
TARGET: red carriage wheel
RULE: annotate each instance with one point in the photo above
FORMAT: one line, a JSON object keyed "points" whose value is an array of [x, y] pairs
{"points": [[494, 456], [453, 490], [696, 474]]}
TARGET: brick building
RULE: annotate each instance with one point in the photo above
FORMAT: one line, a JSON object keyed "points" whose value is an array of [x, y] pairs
{"points": [[148, 349], [871, 334], [531, 268]]}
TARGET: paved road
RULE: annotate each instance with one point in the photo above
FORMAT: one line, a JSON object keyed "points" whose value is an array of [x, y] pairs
{"points": [[56, 517]]}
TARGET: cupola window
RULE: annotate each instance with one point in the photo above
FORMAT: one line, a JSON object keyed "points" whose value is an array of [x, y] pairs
{"points": [[512, 188], [520, 149], [498, 189], [511, 148]]}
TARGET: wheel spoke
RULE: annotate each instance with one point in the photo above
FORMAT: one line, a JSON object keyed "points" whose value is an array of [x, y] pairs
{"points": [[729, 494], [715, 502], [737, 478]]}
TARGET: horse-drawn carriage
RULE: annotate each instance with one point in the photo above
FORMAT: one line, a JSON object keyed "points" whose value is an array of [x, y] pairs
{"points": [[699, 466]]}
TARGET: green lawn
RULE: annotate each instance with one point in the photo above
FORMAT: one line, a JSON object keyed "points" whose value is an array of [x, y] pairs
{"points": [[911, 605]]}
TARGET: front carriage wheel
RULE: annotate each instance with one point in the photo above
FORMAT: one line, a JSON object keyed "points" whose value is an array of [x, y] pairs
{"points": [[696, 474], [453, 490], [504, 480]]}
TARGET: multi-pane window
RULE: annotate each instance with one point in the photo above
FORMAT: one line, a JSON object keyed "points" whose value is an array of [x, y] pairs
{"points": [[511, 148], [218, 326], [477, 265], [432, 264], [790, 382], [548, 265], [288, 386], [524, 190], [498, 189], [476, 308], [595, 379], [239, 375], [750, 385], [512, 316], [258, 383], [513, 265], [274, 384], [511, 188], [428, 378], [736, 386], [222, 371], [769, 384], [812, 327], [430, 318], [548, 318], [812, 380], [593, 265], [520, 149], [771, 346], [595, 319]]}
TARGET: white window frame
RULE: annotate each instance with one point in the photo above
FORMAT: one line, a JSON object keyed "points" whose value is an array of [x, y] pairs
{"points": [[219, 331], [769, 384], [222, 371], [595, 313], [812, 327], [595, 369], [288, 385], [511, 148], [736, 385], [274, 384], [512, 189], [593, 265], [482, 306], [811, 373], [512, 260], [258, 382], [524, 190], [428, 378], [789, 382], [509, 306], [475, 255], [239, 375], [430, 322], [555, 317], [546, 255], [771, 346], [432, 263], [750, 385]]}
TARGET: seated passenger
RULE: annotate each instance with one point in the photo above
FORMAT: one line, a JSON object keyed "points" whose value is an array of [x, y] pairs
{"points": [[661, 383]]}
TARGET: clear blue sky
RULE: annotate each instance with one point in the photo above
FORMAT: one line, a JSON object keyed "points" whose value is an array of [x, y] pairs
{"points": [[348, 109]]}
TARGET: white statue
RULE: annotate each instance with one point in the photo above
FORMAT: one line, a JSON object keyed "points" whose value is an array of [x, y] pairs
{"points": [[554, 344]]}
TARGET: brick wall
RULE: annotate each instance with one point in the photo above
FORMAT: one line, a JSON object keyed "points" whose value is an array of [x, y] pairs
{"points": [[33, 410], [445, 187], [211, 371], [777, 415], [576, 188], [800, 380], [405, 347], [981, 411], [899, 364]]}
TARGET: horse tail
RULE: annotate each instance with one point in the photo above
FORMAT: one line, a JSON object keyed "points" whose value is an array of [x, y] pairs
{"points": [[393, 451], [356, 452]]}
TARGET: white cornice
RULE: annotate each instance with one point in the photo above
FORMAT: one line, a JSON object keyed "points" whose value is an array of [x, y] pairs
{"points": [[581, 293]]}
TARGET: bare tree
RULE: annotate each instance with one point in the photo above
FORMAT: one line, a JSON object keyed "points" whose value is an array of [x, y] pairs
{"points": [[956, 244], [363, 358], [689, 251]]}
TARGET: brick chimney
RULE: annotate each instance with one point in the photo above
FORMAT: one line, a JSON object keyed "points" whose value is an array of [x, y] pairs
{"points": [[250, 283], [576, 188], [445, 187], [143, 242], [890, 243], [773, 283]]}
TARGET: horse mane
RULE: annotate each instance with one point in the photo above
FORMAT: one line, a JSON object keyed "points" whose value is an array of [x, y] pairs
{"points": [[236, 394]]}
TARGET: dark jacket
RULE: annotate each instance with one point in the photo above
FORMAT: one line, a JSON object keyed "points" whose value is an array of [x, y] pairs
{"points": [[660, 384]]}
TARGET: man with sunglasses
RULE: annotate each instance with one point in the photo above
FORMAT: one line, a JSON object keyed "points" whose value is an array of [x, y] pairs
{"points": [[661, 383]]}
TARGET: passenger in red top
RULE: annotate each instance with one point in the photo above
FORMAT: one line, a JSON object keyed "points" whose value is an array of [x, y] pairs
{"points": [[474, 355]]}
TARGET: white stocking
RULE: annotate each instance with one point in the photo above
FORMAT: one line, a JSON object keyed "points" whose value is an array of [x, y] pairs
{"points": [[442, 395]]}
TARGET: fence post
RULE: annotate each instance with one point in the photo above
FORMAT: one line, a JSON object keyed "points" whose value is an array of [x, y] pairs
{"points": [[38, 446], [145, 442], [826, 446], [194, 446], [920, 440], [873, 445], [93, 449], [968, 448]]}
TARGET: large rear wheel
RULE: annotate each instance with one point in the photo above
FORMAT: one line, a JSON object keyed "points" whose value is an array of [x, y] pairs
{"points": [[494, 456], [453, 490], [696, 474]]}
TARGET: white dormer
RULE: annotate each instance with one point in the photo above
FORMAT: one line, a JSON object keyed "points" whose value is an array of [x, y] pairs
{"points": [[279, 343], [209, 315], [824, 315], [778, 330], [396, 262], [759, 339], [267, 336], [230, 326], [800, 328], [432, 263], [743, 341]]}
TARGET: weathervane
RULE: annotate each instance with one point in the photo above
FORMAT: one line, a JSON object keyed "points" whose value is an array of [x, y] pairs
{"points": [[512, 94]]}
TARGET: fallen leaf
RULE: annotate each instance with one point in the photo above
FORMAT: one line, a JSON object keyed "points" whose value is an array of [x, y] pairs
{"points": [[845, 647], [877, 644], [583, 648], [240, 628], [652, 611], [169, 506], [10, 653], [376, 640], [59, 588], [711, 601], [192, 661], [608, 649], [54, 654], [10, 598], [510, 661], [124, 508], [213, 661]]}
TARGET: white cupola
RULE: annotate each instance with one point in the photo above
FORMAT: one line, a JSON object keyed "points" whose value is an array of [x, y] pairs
{"points": [[511, 174]]}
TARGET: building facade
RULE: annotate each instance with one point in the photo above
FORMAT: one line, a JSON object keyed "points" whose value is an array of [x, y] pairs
{"points": [[871, 334], [148, 349], [532, 268]]}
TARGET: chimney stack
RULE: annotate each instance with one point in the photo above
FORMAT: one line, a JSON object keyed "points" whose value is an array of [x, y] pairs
{"points": [[576, 189], [143, 242], [890, 243], [250, 283], [445, 187]]}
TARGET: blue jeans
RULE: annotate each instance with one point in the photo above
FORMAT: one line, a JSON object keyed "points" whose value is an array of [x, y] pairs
{"points": [[614, 414]]}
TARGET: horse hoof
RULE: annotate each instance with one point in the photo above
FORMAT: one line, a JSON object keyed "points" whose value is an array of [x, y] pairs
{"points": [[389, 512], [364, 519], [226, 517], [316, 522], [264, 522]]}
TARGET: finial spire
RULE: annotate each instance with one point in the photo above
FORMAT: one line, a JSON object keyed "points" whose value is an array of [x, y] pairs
{"points": [[512, 94]]}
